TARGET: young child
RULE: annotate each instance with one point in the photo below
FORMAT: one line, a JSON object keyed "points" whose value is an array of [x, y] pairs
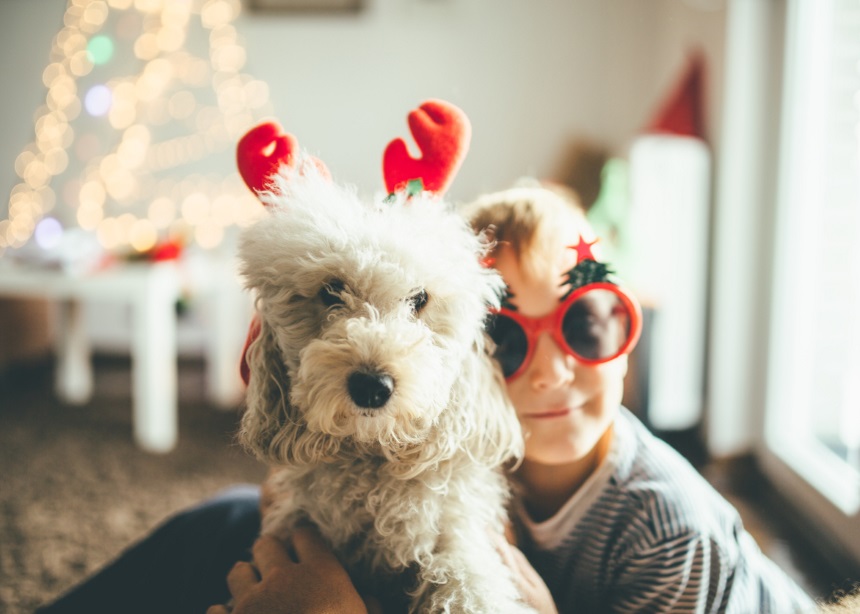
{"points": [[611, 518]]}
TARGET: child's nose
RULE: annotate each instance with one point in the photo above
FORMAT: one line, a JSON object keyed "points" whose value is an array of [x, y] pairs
{"points": [[551, 366]]}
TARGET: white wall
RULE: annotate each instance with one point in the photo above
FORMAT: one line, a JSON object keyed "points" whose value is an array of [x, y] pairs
{"points": [[531, 75]]}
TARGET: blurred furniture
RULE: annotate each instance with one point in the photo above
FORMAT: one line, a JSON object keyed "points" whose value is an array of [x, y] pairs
{"points": [[26, 333], [669, 212], [151, 290]]}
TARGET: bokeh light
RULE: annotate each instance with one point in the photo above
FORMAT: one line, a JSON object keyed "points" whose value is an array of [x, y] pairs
{"points": [[142, 235], [98, 100], [48, 233], [180, 106], [162, 212], [100, 49]]}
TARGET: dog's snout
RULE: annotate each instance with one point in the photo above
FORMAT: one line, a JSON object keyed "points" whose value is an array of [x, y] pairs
{"points": [[370, 390]]}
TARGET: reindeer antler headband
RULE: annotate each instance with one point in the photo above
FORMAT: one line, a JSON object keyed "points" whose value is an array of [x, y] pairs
{"points": [[441, 130]]}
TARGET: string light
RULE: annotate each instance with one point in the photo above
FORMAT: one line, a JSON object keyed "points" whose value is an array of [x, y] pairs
{"points": [[100, 49], [116, 194], [98, 100], [48, 233]]}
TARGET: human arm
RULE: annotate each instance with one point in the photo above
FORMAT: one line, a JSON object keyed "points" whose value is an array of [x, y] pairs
{"points": [[695, 572], [268, 493], [531, 586], [311, 581], [673, 574]]}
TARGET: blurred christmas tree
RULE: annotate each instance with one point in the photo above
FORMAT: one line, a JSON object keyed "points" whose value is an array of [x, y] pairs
{"points": [[135, 141]]}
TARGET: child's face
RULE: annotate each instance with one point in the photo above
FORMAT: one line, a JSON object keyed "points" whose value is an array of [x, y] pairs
{"points": [[563, 405]]}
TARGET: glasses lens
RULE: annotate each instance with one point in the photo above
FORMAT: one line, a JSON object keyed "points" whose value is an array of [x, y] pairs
{"points": [[511, 343], [597, 325]]}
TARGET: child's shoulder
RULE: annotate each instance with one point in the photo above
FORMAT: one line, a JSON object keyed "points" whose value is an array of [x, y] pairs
{"points": [[662, 493]]}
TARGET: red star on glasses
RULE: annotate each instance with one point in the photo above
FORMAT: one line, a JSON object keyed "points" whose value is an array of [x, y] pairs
{"points": [[583, 250]]}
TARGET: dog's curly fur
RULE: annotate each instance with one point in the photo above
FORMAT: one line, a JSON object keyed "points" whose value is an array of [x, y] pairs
{"points": [[412, 487]]}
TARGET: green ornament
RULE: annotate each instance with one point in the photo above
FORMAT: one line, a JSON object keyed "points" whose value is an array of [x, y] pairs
{"points": [[587, 272]]}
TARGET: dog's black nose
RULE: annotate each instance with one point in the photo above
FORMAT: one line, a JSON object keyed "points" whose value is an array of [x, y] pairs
{"points": [[370, 390]]}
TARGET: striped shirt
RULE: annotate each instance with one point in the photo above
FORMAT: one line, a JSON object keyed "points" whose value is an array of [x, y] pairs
{"points": [[647, 533]]}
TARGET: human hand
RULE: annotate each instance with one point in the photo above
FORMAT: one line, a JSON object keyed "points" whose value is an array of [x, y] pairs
{"points": [[311, 582], [268, 493], [531, 586]]}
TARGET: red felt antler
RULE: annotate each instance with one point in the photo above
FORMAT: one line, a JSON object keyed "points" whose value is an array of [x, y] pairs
{"points": [[262, 151], [442, 132]]}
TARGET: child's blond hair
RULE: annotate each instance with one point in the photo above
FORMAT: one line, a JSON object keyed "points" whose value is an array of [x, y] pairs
{"points": [[529, 221]]}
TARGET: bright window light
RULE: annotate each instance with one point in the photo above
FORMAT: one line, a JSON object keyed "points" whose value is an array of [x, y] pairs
{"points": [[813, 414]]}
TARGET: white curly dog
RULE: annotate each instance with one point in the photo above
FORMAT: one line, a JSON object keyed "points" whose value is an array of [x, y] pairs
{"points": [[371, 390]]}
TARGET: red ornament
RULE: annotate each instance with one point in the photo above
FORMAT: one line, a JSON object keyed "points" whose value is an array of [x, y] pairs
{"points": [[488, 262], [169, 250]]}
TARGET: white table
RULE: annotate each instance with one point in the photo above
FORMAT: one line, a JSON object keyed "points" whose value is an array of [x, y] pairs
{"points": [[151, 289]]}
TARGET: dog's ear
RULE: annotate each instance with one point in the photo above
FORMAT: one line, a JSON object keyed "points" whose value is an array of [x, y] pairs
{"points": [[272, 428], [269, 418], [497, 436], [479, 420]]}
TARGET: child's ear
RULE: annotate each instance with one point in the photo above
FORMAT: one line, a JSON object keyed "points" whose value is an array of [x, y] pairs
{"points": [[623, 364]]}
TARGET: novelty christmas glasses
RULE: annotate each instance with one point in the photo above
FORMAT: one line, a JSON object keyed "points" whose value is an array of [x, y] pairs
{"points": [[596, 321]]}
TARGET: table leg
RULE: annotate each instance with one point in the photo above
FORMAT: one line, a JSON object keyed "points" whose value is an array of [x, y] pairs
{"points": [[230, 312], [154, 367], [74, 374]]}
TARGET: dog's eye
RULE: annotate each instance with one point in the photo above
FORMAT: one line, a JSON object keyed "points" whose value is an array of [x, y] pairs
{"points": [[330, 294], [418, 300]]}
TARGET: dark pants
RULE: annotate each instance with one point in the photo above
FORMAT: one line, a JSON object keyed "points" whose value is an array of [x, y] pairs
{"points": [[181, 567]]}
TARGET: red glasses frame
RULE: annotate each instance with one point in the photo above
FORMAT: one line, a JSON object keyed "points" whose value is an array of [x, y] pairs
{"points": [[552, 323]]}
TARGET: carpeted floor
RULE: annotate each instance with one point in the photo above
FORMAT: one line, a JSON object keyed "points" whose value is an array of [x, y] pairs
{"points": [[74, 489]]}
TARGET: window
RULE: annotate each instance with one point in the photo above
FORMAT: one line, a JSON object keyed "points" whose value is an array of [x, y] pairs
{"points": [[811, 439]]}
